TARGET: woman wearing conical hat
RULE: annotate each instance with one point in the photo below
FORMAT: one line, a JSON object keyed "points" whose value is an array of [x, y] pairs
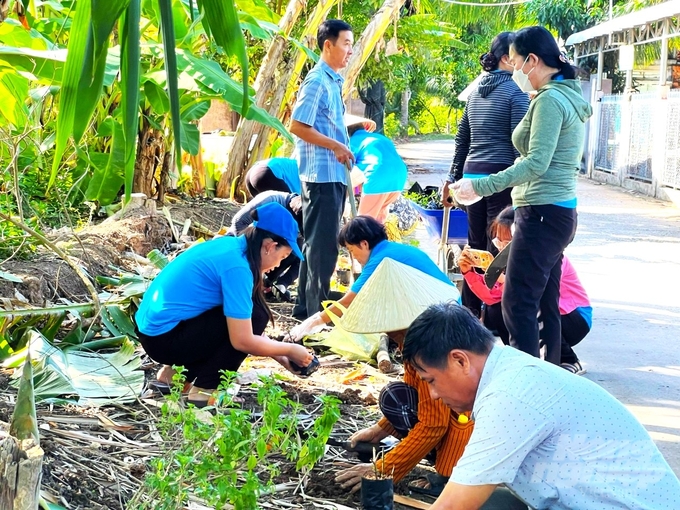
{"points": [[426, 427]]}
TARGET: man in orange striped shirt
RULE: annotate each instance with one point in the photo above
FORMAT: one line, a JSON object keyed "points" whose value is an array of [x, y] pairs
{"points": [[424, 425]]}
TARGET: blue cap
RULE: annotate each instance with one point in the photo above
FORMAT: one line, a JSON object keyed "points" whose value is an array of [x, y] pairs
{"points": [[275, 218]]}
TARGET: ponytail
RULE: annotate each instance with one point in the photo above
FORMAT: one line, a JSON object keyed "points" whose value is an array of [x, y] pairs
{"points": [[499, 46]]}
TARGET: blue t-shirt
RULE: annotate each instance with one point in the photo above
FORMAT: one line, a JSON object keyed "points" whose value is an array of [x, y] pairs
{"points": [[286, 169], [378, 159], [404, 253], [209, 274]]}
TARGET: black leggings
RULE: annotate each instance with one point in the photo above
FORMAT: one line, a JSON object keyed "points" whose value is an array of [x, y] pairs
{"points": [[261, 178], [202, 346], [532, 278]]}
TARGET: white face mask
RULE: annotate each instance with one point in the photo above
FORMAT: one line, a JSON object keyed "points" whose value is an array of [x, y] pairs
{"points": [[522, 79]]}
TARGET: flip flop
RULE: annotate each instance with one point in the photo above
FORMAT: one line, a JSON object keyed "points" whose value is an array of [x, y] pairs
{"points": [[437, 483]]}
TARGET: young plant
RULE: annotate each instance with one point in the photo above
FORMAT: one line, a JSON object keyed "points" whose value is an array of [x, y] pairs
{"points": [[230, 457]]}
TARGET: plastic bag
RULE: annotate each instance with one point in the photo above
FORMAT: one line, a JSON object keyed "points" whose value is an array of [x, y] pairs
{"points": [[352, 346]]}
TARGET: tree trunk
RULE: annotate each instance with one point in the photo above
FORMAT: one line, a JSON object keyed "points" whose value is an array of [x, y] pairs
{"points": [[405, 97], [20, 474], [280, 105], [197, 172], [366, 43], [149, 156], [164, 179], [264, 85]]}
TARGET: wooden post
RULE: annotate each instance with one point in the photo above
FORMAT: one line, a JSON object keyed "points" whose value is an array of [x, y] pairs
{"points": [[383, 356], [20, 473], [264, 85]]}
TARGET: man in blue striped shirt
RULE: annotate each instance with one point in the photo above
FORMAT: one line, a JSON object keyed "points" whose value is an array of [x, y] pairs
{"points": [[322, 146]]}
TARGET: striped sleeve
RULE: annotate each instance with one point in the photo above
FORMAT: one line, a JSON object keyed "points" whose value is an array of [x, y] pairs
{"points": [[462, 148], [309, 100], [433, 423]]}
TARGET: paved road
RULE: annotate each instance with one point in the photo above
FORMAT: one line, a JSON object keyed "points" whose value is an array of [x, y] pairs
{"points": [[627, 253]]}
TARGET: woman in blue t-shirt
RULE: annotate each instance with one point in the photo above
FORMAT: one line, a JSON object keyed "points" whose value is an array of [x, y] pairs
{"points": [[366, 240], [205, 310], [275, 174], [383, 172]]}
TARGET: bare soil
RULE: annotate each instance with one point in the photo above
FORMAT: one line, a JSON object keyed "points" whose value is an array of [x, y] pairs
{"points": [[97, 458], [105, 248]]}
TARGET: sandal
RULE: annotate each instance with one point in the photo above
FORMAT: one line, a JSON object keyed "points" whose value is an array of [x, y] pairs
{"points": [[165, 389], [432, 485], [575, 368]]}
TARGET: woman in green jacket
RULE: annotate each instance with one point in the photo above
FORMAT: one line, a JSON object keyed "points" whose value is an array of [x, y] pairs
{"points": [[550, 142]]}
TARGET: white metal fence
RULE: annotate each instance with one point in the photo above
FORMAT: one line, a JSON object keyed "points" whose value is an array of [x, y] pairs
{"points": [[636, 141]]}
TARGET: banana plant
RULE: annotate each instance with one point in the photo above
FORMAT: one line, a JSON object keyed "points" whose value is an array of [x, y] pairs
{"points": [[83, 74]]}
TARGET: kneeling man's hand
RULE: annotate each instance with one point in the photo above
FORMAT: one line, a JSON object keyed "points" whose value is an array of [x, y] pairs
{"points": [[351, 477]]}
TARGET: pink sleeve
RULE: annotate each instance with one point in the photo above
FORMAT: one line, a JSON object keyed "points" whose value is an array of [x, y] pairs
{"points": [[476, 283], [572, 293]]}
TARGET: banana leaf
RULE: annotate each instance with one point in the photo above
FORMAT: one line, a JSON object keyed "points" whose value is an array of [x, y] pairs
{"points": [[130, 70], [220, 20], [86, 378], [10, 277], [24, 424]]}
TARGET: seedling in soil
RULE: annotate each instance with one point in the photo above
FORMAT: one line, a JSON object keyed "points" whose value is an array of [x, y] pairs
{"points": [[230, 457]]}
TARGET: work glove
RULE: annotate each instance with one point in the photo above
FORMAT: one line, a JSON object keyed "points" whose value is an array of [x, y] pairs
{"points": [[309, 326], [464, 193]]}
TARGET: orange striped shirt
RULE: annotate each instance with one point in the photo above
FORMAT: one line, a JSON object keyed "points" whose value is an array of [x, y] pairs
{"points": [[437, 427]]}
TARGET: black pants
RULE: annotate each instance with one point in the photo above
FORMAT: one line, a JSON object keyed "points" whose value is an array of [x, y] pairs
{"points": [[480, 217], [202, 346], [260, 178], [574, 328], [322, 206], [532, 281], [288, 270], [493, 320]]}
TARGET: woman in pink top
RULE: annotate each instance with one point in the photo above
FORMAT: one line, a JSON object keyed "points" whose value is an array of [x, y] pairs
{"points": [[575, 310]]}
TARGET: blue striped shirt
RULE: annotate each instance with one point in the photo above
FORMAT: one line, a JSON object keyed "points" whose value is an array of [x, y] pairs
{"points": [[319, 105]]}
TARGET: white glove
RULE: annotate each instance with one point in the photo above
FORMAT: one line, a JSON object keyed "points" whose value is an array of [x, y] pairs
{"points": [[464, 193], [309, 326]]}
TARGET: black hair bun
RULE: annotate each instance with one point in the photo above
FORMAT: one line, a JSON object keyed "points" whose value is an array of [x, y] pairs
{"points": [[489, 62]]}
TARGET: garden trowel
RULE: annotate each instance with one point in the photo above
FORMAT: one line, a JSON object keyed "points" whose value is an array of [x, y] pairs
{"points": [[364, 450], [497, 267]]}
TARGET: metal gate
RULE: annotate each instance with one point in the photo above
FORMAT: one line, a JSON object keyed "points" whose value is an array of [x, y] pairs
{"points": [[638, 139], [639, 161], [671, 172], [609, 134]]}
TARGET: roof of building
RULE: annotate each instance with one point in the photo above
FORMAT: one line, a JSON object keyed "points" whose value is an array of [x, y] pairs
{"points": [[634, 19]]}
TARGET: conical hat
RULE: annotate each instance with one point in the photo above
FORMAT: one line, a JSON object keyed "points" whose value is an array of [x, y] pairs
{"points": [[368, 124], [393, 297]]}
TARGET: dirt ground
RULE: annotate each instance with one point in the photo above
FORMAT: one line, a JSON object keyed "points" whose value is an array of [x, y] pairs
{"points": [[97, 458]]}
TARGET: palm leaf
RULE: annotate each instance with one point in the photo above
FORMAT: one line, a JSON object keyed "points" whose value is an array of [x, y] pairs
{"points": [[106, 182], [84, 71]]}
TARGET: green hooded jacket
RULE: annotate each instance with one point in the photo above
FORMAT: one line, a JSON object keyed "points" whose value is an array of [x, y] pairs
{"points": [[550, 142]]}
